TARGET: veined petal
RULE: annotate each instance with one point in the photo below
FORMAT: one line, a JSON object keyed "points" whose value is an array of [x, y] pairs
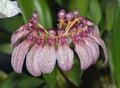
{"points": [[17, 35], [98, 40], [32, 62], [18, 55], [96, 29], [94, 49], [83, 54], [47, 59], [65, 57]]}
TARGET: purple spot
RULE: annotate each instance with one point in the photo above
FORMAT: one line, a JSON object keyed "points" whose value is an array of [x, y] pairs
{"points": [[61, 14], [30, 37], [39, 40], [69, 16], [75, 13]]}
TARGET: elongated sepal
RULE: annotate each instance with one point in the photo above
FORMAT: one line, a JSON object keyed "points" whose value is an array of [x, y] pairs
{"points": [[47, 58], [32, 61], [18, 35], [18, 55], [84, 55], [65, 57], [99, 41]]}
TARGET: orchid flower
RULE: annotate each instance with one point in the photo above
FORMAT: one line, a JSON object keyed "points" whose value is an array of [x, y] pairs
{"points": [[47, 56], [65, 55], [8, 8], [43, 48]]}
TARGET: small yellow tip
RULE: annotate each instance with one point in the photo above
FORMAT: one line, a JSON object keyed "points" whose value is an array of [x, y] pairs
{"points": [[71, 24], [43, 28], [61, 23]]}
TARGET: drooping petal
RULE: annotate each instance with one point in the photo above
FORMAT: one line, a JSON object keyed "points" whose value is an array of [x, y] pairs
{"points": [[98, 40], [89, 23], [96, 29], [84, 55], [18, 55], [47, 59], [18, 34], [32, 62], [65, 57], [94, 49]]}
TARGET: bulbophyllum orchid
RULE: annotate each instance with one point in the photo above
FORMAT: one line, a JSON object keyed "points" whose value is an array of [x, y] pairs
{"points": [[64, 53], [44, 48]]}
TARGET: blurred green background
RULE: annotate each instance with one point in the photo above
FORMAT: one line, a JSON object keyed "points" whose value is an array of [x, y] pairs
{"points": [[104, 13]]}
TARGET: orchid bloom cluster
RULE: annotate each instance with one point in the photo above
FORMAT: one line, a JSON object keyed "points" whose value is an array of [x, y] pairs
{"points": [[44, 48]]}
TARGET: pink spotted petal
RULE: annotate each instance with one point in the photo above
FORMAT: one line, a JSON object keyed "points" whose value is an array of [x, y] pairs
{"points": [[47, 59], [17, 35], [32, 62], [89, 23], [84, 55], [96, 29], [98, 40], [65, 57], [18, 55], [94, 49]]}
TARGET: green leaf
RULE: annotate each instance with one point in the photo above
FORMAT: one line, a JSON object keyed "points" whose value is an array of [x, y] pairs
{"points": [[27, 8], [11, 24], [116, 43], [5, 48], [4, 36], [81, 5], [30, 82], [110, 12], [61, 81], [94, 12], [45, 17], [3, 76], [60, 2], [74, 75], [12, 80], [109, 46], [51, 78]]}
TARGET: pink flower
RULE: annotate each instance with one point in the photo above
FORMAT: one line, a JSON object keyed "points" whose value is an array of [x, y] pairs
{"points": [[26, 41], [43, 48], [86, 41], [64, 53], [18, 55], [47, 55]]}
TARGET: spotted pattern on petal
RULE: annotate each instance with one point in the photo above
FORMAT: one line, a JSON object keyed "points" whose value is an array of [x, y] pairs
{"points": [[83, 55], [93, 48], [96, 52], [98, 40], [17, 35], [47, 59], [96, 30], [18, 55], [32, 62], [65, 57]]}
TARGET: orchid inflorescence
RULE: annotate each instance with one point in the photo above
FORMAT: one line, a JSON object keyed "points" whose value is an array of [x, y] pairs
{"points": [[44, 48]]}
